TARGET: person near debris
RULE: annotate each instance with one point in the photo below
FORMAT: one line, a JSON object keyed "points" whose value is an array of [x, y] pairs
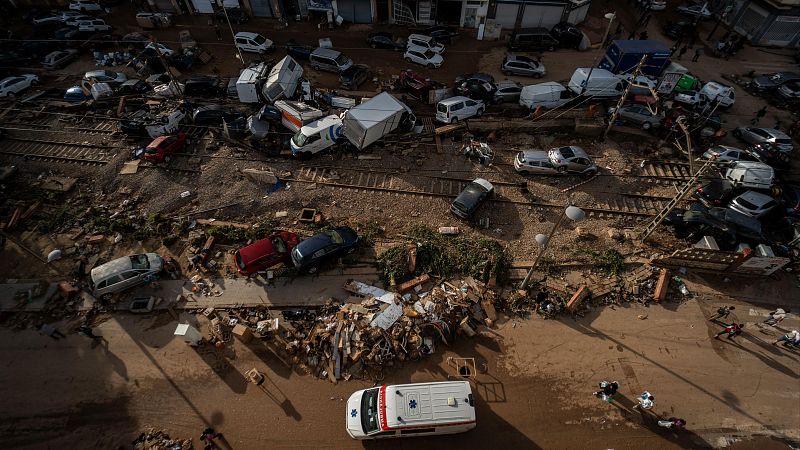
{"points": [[541, 298], [607, 390], [778, 124], [731, 330], [49, 330], [776, 316], [643, 36], [683, 51], [86, 331], [632, 35], [208, 437], [646, 401], [217, 32], [697, 52], [790, 339], [672, 422], [722, 313], [759, 115]]}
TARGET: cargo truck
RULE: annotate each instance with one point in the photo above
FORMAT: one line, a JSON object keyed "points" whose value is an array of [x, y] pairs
{"points": [[623, 56]]}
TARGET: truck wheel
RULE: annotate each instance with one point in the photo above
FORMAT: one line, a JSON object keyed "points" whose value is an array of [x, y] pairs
{"points": [[646, 125]]}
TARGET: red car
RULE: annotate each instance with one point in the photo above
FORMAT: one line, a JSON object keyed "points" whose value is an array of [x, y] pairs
{"points": [[162, 148], [265, 253]]}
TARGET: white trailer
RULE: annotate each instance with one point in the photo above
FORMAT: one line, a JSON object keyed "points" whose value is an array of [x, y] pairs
{"points": [[372, 120]]}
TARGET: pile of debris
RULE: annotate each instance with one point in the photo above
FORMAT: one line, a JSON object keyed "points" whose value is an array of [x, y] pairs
{"points": [[375, 328], [152, 439]]}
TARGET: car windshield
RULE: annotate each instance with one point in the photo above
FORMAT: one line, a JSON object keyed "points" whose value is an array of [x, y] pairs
{"points": [[299, 138], [746, 204], [441, 108], [278, 244], [139, 262], [369, 411], [335, 237], [429, 54], [783, 141], [260, 39], [341, 59]]}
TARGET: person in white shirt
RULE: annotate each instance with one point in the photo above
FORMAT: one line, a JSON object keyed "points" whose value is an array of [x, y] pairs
{"points": [[646, 401], [791, 338], [776, 316]]}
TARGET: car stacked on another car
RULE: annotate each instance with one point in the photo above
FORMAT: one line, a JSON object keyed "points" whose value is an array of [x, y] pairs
{"points": [[715, 193], [507, 91], [105, 76], [162, 148], [477, 86], [753, 204], [756, 135], [535, 162], [572, 159], [726, 153]]}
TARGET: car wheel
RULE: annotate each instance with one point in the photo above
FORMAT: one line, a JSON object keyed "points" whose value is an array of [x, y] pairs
{"points": [[737, 133], [34, 82], [589, 174], [454, 120], [646, 125], [479, 112], [537, 75], [168, 159], [562, 169], [373, 45], [315, 67], [312, 269], [11, 96], [407, 59]]}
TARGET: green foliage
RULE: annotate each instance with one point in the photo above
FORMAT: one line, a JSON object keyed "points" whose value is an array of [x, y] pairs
{"points": [[369, 231], [60, 218], [610, 261], [444, 256], [236, 235], [169, 240]]}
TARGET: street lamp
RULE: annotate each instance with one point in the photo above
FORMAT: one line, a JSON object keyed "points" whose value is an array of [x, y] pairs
{"points": [[610, 16], [574, 214]]}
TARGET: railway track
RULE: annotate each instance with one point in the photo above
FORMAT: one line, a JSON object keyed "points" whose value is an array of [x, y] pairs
{"points": [[403, 184]]}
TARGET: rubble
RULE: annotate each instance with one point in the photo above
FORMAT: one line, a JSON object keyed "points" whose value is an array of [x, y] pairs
{"points": [[152, 439]]}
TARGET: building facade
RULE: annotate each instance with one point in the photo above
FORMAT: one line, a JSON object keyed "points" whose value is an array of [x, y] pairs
{"points": [[766, 22]]}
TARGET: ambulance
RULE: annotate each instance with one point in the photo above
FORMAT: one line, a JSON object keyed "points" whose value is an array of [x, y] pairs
{"points": [[419, 409]]}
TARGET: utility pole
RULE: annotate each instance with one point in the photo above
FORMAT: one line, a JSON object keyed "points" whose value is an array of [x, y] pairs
{"points": [[624, 95], [173, 81], [681, 121], [610, 16], [233, 35]]}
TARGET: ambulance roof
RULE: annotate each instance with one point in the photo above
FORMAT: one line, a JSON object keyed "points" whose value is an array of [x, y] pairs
{"points": [[409, 405]]}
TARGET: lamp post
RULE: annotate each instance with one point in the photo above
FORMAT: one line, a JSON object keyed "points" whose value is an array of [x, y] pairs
{"points": [[574, 214], [610, 16]]}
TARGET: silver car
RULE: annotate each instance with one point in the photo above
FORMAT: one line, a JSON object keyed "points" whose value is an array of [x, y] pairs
{"points": [[726, 153], [535, 162], [59, 58], [123, 273], [754, 135], [507, 91], [521, 65], [572, 159], [753, 204], [640, 115]]}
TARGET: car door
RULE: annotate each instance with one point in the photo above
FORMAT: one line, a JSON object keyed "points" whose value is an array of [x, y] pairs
{"points": [[578, 164], [471, 108], [15, 85], [456, 111], [242, 43], [418, 57]]}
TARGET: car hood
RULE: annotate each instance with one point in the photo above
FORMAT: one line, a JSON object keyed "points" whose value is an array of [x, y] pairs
{"points": [[348, 235], [353, 413]]}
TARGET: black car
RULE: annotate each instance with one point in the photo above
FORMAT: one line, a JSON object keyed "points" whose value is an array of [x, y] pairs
{"points": [[532, 39], [204, 86], [382, 39], [299, 51], [158, 78], [679, 29], [772, 81], [353, 76], [567, 35], [725, 225], [769, 154], [209, 115], [134, 87], [442, 33], [236, 15], [477, 86], [471, 198], [790, 200], [716, 192], [311, 252]]}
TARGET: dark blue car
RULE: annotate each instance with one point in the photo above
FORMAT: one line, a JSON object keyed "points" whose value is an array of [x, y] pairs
{"points": [[312, 252], [299, 51]]}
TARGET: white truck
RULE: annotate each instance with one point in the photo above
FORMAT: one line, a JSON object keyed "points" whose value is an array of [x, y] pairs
{"points": [[260, 83], [296, 114], [362, 125]]}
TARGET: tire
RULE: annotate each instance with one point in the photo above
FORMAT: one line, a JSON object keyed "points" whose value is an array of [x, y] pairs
{"points": [[646, 125], [562, 169], [315, 66], [737, 133], [407, 59], [312, 270], [454, 120], [34, 82], [537, 75], [11, 96], [168, 159], [373, 45], [479, 112]]}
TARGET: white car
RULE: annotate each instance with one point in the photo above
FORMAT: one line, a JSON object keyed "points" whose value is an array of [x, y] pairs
{"points": [[84, 5], [93, 25], [696, 10], [106, 76], [689, 97], [753, 204], [166, 51], [73, 21], [643, 85], [726, 153], [458, 108], [423, 57], [11, 86], [253, 42]]}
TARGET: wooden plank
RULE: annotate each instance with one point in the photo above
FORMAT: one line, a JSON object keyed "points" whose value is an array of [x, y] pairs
{"points": [[662, 286]]}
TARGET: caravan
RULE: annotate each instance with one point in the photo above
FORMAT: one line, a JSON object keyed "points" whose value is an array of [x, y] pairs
{"points": [[546, 95], [595, 82]]}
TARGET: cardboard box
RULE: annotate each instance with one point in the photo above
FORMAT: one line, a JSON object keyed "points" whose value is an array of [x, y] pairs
{"points": [[242, 333]]}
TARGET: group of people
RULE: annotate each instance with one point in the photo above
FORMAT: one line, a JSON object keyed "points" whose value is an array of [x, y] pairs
{"points": [[646, 402], [790, 339], [729, 45]]}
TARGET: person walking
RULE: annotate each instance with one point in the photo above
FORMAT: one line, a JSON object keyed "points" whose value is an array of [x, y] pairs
{"points": [[217, 31], [697, 52], [722, 313], [731, 330], [607, 390], [672, 422], [49, 330], [775, 317], [208, 437], [643, 35], [759, 115], [632, 34], [86, 331], [791, 338], [683, 51], [646, 401]]}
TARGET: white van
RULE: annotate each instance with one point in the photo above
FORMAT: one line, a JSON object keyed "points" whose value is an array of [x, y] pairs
{"points": [[330, 60], [426, 42], [602, 83], [317, 136], [547, 95], [458, 108], [282, 80], [714, 91], [123, 273], [749, 174], [296, 114], [419, 409], [252, 42]]}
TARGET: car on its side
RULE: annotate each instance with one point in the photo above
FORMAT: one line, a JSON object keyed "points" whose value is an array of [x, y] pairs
{"points": [[753, 204], [106, 76], [162, 148], [535, 162], [726, 153], [572, 159], [471, 198], [352, 77], [310, 253], [134, 87], [715, 193], [59, 59], [507, 91], [265, 253], [522, 65], [382, 39], [756, 135], [423, 57], [11, 86], [123, 273]]}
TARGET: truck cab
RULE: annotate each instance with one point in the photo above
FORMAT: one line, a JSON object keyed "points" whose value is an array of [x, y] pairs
{"points": [[419, 409], [317, 136]]}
